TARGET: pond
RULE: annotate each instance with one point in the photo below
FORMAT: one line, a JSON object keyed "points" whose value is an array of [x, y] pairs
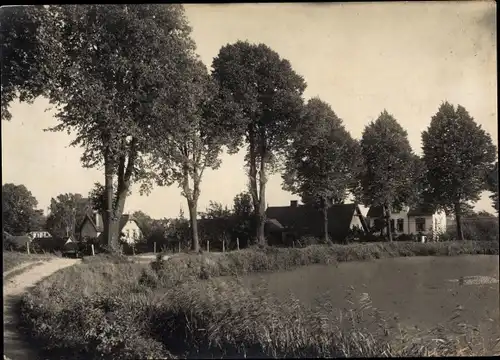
{"points": [[418, 291]]}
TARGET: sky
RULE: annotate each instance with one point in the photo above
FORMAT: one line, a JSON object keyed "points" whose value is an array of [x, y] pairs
{"points": [[361, 58]]}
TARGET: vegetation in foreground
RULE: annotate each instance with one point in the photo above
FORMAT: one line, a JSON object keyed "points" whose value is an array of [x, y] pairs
{"points": [[178, 308], [12, 259]]}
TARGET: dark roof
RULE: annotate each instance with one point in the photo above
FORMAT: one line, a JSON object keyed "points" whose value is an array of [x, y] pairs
{"points": [[310, 219], [375, 212], [123, 221], [52, 241]]}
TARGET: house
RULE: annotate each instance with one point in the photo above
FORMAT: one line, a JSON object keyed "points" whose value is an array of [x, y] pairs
{"points": [[295, 221], [420, 219], [92, 227], [39, 234], [15, 242]]}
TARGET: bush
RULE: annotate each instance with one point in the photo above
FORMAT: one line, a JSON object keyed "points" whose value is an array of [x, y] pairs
{"points": [[478, 229]]}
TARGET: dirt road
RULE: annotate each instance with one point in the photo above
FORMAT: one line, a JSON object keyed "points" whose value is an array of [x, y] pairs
{"points": [[15, 346]]}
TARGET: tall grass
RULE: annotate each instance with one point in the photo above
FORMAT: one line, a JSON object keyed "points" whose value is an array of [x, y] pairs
{"points": [[180, 307]]}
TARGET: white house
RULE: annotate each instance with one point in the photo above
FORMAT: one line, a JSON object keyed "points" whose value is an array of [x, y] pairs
{"points": [[92, 227], [39, 234], [130, 230], [416, 220]]}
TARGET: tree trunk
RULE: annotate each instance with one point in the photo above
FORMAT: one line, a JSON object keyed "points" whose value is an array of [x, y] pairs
{"points": [[193, 213], [107, 216], [261, 218], [387, 216], [325, 221], [458, 220]]}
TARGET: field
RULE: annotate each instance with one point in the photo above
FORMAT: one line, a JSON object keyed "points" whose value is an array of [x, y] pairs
{"points": [[318, 301]]}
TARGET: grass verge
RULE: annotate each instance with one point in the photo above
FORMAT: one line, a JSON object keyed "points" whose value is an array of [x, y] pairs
{"points": [[179, 308]]}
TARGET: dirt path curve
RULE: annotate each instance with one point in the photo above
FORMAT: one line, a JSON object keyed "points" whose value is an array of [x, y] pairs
{"points": [[15, 346], [19, 267]]}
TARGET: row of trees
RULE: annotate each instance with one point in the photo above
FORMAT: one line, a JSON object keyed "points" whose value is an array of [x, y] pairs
{"points": [[66, 211], [127, 82]]}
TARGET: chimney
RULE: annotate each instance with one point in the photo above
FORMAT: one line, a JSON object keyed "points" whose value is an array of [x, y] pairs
{"points": [[293, 203]]}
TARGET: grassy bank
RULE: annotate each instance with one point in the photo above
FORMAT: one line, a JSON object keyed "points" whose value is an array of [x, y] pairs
{"points": [[179, 307], [12, 259]]}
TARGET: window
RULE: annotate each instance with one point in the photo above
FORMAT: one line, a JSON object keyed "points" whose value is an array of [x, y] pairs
{"points": [[401, 224], [420, 224]]}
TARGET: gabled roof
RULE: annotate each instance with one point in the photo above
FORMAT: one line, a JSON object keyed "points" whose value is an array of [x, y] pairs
{"points": [[306, 217], [123, 221], [375, 212], [89, 219]]}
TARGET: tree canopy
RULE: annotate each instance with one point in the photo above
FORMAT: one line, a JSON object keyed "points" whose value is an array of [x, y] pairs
{"points": [[19, 210], [260, 99], [391, 169], [25, 72], [67, 212], [117, 78], [194, 142], [323, 160], [458, 155]]}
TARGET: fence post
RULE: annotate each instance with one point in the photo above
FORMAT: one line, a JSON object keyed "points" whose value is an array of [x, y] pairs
{"points": [[238, 243], [208, 246], [92, 247], [154, 247], [28, 247], [293, 243], [223, 245], [179, 246]]}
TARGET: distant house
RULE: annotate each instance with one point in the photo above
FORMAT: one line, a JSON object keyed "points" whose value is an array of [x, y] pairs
{"points": [[39, 234], [92, 227], [15, 242], [295, 221], [416, 220]]}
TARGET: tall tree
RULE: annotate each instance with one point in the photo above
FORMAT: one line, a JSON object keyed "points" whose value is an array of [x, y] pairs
{"points": [[24, 71], [458, 154], [323, 160], [194, 142], [19, 213], [116, 68], [67, 211], [391, 170], [261, 99]]}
